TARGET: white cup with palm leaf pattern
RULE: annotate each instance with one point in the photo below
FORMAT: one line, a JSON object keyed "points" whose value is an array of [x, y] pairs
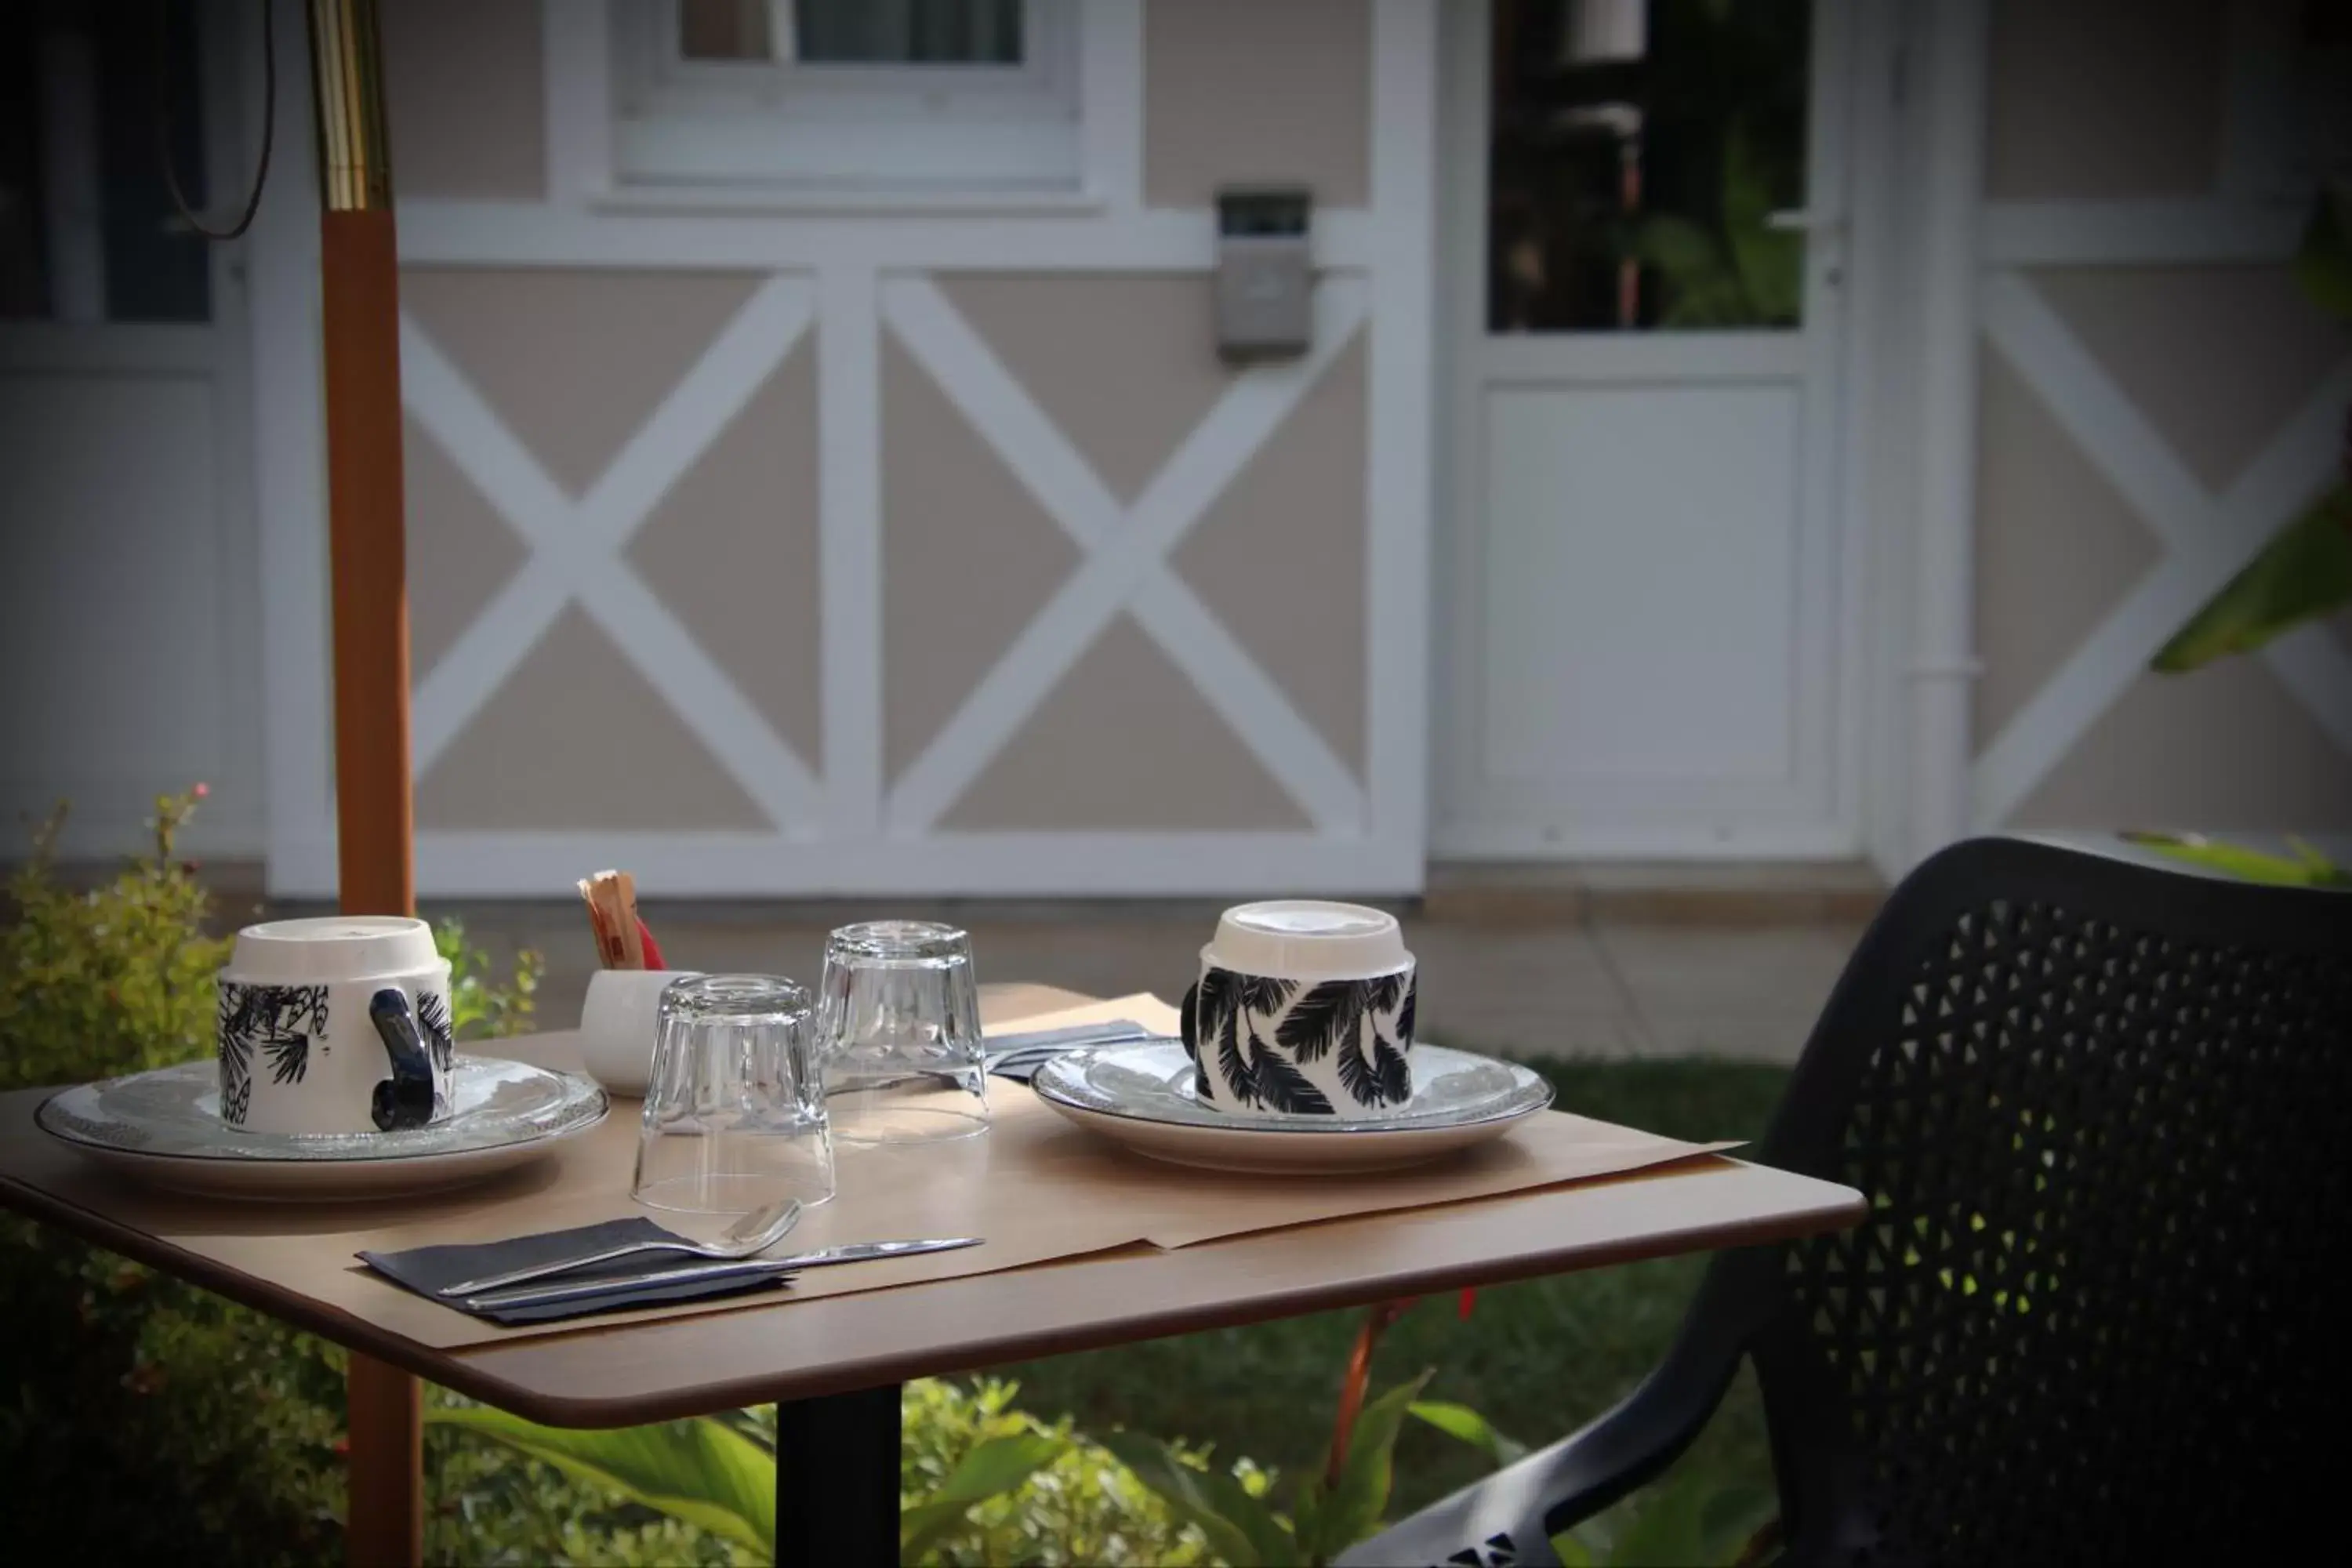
{"points": [[1304, 1009], [334, 1025]]}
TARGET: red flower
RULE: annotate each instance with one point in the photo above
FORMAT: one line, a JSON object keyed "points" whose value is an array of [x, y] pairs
{"points": [[1469, 1299]]}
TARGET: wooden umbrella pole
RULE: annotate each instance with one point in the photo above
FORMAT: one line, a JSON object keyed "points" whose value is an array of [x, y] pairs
{"points": [[367, 545], [360, 324]]}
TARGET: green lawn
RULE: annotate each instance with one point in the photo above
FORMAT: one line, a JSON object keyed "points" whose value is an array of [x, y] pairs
{"points": [[1539, 1358]]}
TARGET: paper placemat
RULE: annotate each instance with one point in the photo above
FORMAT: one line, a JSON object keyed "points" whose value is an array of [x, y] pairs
{"points": [[1036, 1186]]}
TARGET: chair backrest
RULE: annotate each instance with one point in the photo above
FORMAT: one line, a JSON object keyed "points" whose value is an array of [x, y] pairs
{"points": [[2101, 1112]]}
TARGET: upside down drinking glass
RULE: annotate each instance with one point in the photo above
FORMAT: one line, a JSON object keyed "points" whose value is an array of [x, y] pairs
{"points": [[900, 1019], [734, 1117]]}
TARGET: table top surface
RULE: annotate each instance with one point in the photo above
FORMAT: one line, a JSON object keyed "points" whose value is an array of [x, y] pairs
{"points": [[628, 1373]]}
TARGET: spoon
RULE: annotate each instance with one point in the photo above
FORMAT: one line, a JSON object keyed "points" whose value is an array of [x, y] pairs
{"points": [[754, 1233]]}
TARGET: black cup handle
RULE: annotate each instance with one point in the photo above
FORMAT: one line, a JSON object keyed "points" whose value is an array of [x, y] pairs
{"points": [[406, 1099], [1188, 1014]]}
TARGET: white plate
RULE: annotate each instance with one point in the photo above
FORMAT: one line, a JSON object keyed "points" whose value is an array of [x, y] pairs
{"points": [[164, 1127], [1144, 1096]]}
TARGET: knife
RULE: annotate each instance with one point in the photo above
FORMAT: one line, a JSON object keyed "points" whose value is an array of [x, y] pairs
{"points": [[1017, 1057], [1116, 1031], [697, 1273]]}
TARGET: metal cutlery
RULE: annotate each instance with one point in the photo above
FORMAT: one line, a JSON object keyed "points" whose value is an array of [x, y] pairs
{"points": [[753, 1234], [1018, 1056], [698, 1273]]}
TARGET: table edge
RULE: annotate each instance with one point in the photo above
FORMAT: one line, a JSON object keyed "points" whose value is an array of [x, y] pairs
{"points": [[299, 1311], [471, 1369], [482, 1382]]}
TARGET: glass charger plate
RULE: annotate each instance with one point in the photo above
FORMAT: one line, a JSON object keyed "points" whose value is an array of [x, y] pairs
{"points": [[164, 1127], [1143, 1095]]}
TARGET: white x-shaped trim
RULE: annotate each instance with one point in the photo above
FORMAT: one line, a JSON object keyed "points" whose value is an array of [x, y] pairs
{"points": [[1125, 564], [576, 547], [2207, 539]]}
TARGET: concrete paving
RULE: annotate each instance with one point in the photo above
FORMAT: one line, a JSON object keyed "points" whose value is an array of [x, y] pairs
{"points": [[1570, 983]]}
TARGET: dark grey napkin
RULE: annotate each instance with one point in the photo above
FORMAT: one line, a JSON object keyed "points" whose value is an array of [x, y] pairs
{"points": [[427, 1269]]}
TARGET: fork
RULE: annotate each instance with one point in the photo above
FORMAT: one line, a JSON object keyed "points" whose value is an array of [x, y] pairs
{"points": [[753, 1234]]}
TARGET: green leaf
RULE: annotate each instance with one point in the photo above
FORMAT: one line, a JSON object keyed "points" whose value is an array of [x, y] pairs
{"points": [[1242, 1530], [1307, 1521], [2314, 857], [1703, 289], [1686, 254], [1354, 1508], [1770, 264], [2324, 264], [2305, 571], [1664, 1531], [1462, 1422], [1572, 1552], [996, 1466], [2307, 867], [700, 1471]]}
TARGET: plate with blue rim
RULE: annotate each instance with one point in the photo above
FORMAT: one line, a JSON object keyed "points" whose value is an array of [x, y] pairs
{"points": [[1144, 1096]]}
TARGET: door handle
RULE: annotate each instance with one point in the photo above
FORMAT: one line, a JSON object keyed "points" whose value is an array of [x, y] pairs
{"points": [[1805, 220]]}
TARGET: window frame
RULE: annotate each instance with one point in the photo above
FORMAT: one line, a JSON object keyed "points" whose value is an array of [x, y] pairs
{"points": [[681, 127]]}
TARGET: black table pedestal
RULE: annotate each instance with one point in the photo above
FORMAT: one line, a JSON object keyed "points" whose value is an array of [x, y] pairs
{"points": [[837, 1479]]}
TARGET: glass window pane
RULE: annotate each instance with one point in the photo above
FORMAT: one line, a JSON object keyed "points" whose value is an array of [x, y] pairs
{"points": [[24, 281], [157, 268], [909, 32], [724, 30], [1635, 152], [856, 32], [87, 231]]}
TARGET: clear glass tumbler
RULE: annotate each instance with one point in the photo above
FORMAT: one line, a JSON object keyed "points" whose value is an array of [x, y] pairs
{"points": [[734, 1116], [900, 1023]]}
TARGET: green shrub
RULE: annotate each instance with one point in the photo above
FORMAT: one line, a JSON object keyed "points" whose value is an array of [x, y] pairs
{"points": [[1084, 1507], [122, 1384], [978, 1482], [144, 1419], [109, 981]]}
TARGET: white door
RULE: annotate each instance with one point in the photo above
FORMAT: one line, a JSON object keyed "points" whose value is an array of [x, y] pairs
{"points": [[127, 575], [1646, 586]]}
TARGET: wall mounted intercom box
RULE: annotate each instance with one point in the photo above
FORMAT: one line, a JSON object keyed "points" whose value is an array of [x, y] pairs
{"points": [[1265, 279]]}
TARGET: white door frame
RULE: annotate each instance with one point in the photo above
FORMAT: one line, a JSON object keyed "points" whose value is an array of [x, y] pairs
{"points": [[1855, 70]]}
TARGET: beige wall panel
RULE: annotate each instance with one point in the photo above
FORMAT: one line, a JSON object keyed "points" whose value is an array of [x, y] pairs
{"points": [[733, 550], [1125, 366], [574, 360], [577, 739], [1125, 744], [1251, 91], [1279, 558], [2218, 358], [461, 552], [2226, 748], [2056, 547], [464, 91], [968, 558], [2104, 98]]}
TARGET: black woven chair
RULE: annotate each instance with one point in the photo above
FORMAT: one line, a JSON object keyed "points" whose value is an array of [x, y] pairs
{"points": [[2101, 1112]]}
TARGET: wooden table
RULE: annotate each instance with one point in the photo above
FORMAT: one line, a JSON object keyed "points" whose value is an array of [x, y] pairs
{"points": [[834, 1364]]}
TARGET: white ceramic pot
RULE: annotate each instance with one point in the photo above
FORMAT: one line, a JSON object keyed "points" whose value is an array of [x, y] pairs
{"points": [[620, 1023], [334, 1025], [1302, 1008]]}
